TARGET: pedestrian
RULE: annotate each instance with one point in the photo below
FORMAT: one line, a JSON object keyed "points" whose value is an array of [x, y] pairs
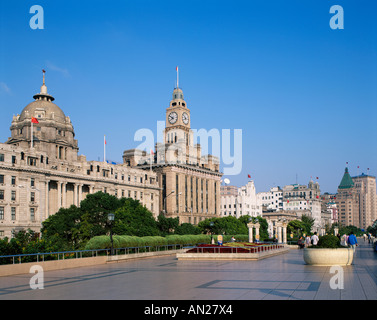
{"points": [[352, 241], [301, 243], [365, 237], [343, 242], [369, 235], [307, 241], [314, 239]]}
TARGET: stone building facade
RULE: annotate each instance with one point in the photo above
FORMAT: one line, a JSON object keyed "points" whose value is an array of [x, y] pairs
{"points": [[41, 171]]}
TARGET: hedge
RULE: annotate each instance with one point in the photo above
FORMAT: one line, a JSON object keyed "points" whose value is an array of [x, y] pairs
{"points": [[103, 242]]}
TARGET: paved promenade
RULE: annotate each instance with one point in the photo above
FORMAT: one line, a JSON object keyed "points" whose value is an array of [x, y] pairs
{"points": [[280, 277]]}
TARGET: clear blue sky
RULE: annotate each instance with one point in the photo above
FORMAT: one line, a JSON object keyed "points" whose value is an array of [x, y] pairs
{"points": [[304, 95]]}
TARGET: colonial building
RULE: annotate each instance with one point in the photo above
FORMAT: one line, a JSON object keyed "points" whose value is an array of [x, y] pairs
{"points": [[304, 199], [365, 186], [271, 200], [189, 181], [245, 202], [41, 171], [356, 200], [347, 201]]}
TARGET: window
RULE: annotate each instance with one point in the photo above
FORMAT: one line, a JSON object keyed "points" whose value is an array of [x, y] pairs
{"points": [[32, 182], [13, 195], [1, 213], [1, 157], [32, 214], [1, 178], [1, 194], [32, 196], [13, 159], [13, 180], [13, 213]]}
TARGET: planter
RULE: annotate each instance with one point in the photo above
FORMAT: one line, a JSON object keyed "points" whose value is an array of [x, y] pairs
{"points": [[328, 257]]}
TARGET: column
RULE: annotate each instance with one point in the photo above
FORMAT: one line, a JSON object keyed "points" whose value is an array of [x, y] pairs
{"points": [[47, 214], [285, 232], [250, 226], [80, 194], [279, 233], [257, 226], [64, 193], [59, 185]]}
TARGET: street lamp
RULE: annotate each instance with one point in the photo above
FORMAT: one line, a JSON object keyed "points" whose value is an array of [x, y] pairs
{"points": [[110, 218], [211, 224]]}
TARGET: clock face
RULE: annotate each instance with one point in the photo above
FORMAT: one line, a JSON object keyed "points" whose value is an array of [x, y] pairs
{"points": [[185, 118], [173, 117]]}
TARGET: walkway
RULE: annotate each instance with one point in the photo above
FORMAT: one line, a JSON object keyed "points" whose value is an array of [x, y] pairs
{"points": [[280, 277]]}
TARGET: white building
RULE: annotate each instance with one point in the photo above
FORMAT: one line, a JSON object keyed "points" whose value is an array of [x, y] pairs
{"points": [[271, 200], [246, 202]]}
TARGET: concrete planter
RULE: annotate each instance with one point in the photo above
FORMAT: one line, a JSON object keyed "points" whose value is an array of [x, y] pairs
{"points": [[328, 257]]}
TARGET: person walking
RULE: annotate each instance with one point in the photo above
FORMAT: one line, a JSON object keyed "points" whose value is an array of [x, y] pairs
{"points": [[314, 239], [352, 241], [307, 241]]}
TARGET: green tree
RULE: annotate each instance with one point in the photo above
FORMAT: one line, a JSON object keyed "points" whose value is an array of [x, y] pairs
{"points": [[167, 225], [308, 223], [135, 220], [187, 228]]}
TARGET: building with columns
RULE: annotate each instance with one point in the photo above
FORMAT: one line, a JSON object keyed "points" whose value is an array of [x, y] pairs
{"points": [[41, 171], [189, 181]]}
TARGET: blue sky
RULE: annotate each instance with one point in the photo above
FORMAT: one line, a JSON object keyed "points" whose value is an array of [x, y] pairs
{"points": [[304, 95]]}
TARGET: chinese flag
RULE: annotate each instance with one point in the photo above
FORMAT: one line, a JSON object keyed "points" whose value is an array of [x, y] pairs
{"points": [[34, 120]]}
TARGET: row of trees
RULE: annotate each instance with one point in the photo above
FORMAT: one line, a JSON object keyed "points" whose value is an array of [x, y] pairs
{"points": [[71, 228]]}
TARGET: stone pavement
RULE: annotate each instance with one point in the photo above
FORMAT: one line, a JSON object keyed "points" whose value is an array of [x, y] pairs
{"points": [[279, 277]]}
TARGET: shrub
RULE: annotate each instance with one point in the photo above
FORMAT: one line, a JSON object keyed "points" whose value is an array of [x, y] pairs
{"points": [[329, 241]]}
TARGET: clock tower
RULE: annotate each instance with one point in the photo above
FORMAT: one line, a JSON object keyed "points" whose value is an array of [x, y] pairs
{"points": [[178, 120]]}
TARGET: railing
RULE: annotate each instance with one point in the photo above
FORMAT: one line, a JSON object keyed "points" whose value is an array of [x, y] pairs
{"points": [[230, 249], [62, 255]]}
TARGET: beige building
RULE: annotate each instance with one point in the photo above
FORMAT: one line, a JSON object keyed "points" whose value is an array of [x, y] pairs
{"points": [[41, 171], [190, 181], [365, 186], [347, 202]]}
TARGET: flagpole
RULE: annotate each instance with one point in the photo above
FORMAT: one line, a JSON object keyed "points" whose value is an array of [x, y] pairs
{"points": [[32, 133], [104, 148], [177, 77]]}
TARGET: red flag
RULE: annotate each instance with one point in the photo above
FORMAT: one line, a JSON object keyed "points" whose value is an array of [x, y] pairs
{"points": [[249, 176], [34, 120], [104, 139], [152, 151]]}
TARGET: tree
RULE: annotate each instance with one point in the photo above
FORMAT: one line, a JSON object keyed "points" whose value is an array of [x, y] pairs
{"points": [[167, 225], [135, 220], [308, 223], [187, 228]]}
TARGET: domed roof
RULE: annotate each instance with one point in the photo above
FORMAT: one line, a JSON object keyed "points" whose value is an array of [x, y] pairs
{"points": [[43, 107], [46, 109]]}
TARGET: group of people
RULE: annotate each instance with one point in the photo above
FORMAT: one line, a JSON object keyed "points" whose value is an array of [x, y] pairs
{"points": [[346, 240], [308, 240]]}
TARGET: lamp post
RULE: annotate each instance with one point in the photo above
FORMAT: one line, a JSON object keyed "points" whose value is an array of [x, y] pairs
{"points": [[110, 218], [211, 224]]}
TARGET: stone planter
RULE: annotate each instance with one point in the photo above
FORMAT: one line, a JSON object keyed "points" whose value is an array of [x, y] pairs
{"points": [[328, 257]]}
